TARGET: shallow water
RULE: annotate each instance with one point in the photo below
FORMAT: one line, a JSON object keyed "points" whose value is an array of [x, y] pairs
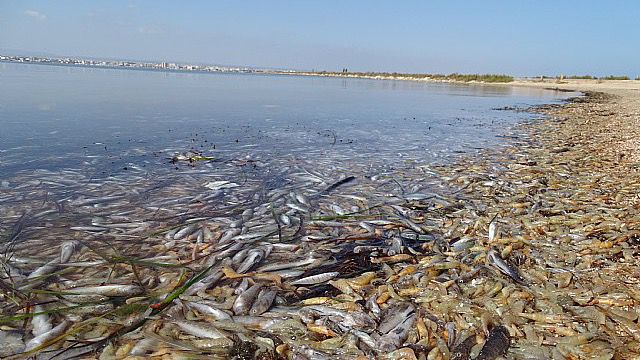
{"points": [[103, 121]]}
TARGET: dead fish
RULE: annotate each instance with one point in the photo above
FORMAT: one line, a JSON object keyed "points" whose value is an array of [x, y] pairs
{"points": [[395, 315], [254, 257], [298, 207], [39, 275], [263, 302], [236, 224], [337, 209], [367, 226], [41, 323], [463, 244], [228, 235], [285, 220], [108, 290], [208, 310], [302, 199], [288, 273], [67, 249], [316, 279], [143, 346], [242, 287], [89, 228], [205, 283], [410, 224], [94, 201], [243, 302], [188, 230], [493, 229], [394, 338], [81, 299], [43, 338], [493, 258], [239, 256], [287, 265], [247, 215], [417, 196], [199, 329], [497, 344], [346, 180]]}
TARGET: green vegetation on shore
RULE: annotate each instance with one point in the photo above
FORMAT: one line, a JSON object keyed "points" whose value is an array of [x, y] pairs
{"points": [[491, 78], [614, 77], [582, 77], [587, 77]]}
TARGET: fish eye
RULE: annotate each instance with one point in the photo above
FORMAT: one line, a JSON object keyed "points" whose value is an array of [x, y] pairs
{"points": [[293, 337]]}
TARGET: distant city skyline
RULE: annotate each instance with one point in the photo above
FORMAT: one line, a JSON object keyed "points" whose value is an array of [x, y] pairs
{"points": [[521, 38]]}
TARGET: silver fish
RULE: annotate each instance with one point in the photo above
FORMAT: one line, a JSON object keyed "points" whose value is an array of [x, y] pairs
{"points": [[43, 338], [208, 310], [243, 302], [247, 214], [199, 329], [396, 336], [493, 258], [67, 249], [253, 258], [285, 220], [316, 279], [395, 315], [287, 265], [298, 207], [188, 230], [41, 323], [263, 302], [143, 346], [205, 283], [302, 199], [108, 290], [242, 287], [493, 230], [228, 235]]}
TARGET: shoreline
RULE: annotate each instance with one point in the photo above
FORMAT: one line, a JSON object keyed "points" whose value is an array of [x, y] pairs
{"points": [[535, 82]]}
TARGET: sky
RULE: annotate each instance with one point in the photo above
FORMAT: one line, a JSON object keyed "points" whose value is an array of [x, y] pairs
{"points": [[523, 37]]}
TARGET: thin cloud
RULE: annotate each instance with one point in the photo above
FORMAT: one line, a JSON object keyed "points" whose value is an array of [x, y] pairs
{"points": [[35, 14]]}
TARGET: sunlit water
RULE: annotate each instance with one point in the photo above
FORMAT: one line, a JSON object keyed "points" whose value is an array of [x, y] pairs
{"points": [[105, 122]]}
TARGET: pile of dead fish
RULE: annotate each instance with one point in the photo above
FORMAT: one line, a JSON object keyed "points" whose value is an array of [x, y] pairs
{"points": [[529, 253]]}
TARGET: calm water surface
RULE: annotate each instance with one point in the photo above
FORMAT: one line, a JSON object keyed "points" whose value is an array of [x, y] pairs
{"points": [[107, 121]]}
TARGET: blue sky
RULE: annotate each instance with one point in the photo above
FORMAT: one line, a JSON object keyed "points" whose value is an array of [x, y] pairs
{"points": [[517, 37]]}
